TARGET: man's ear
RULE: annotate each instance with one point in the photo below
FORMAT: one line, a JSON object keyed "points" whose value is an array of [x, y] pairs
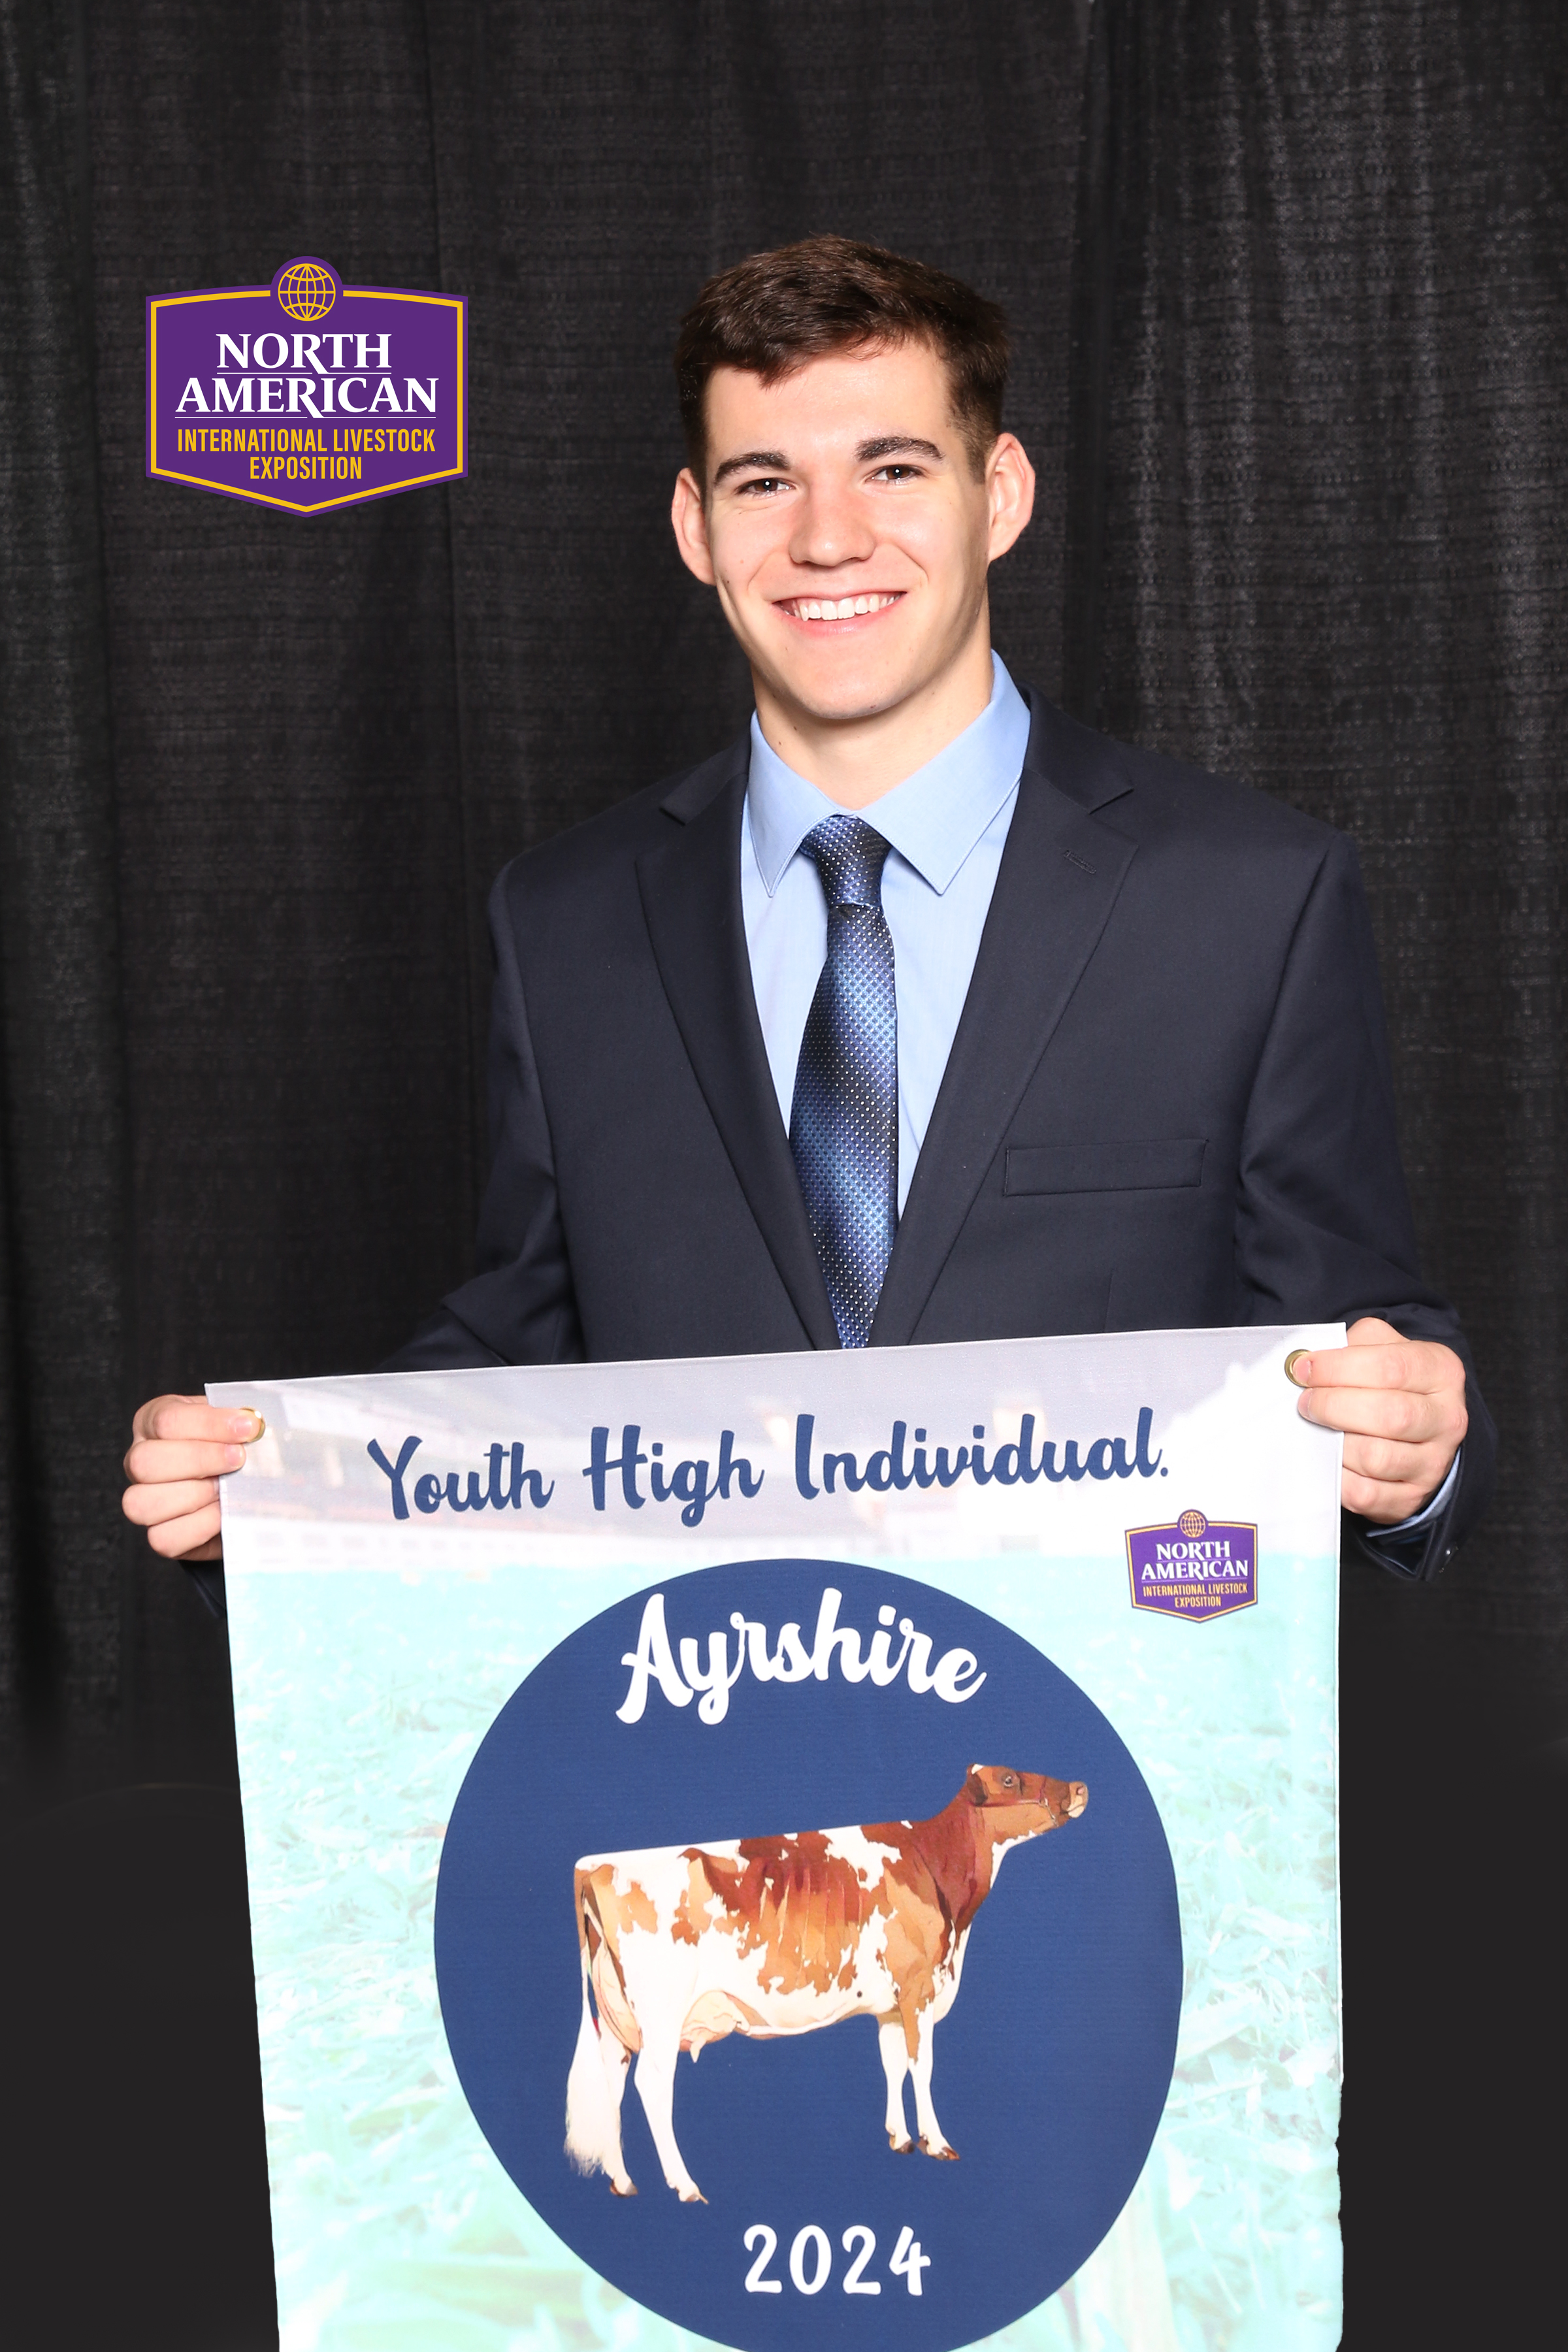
{"points": [[690, 520], [1010, 488]]}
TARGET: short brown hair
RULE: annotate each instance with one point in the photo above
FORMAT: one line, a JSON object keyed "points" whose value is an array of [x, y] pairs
{"points": [[772, 312]]}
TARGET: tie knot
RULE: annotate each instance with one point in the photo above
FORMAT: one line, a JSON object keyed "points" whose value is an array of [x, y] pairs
{"points": [[849, 855]]}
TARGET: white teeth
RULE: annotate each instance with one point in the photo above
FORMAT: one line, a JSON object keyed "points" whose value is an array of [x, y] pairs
{"points": [[842, 608]]}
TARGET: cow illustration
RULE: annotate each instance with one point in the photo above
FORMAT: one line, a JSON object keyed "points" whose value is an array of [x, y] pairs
{"points": [[683, 1945]]}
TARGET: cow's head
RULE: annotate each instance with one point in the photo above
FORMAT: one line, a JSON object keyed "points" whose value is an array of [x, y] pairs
{"points": [[1022, 1804]]}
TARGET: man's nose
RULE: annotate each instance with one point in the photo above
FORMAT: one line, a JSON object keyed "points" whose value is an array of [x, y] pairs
{"points": [[828, 529]]}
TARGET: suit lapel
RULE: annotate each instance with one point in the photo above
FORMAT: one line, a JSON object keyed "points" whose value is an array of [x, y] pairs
{"points": [[690, 888], [1059, 878]]}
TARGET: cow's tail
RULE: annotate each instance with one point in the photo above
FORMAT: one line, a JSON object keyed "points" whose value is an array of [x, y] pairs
{"points": [[593, 2131]]}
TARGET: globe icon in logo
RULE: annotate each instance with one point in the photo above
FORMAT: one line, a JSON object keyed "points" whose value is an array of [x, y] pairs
{"points": [[306, 290], [1192, 1524]]}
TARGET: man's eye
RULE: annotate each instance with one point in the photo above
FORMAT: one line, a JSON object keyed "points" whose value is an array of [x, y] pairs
{"points": [[763, 482], [897, 473]]}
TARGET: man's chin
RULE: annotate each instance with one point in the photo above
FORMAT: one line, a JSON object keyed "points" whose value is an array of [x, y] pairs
{"points": [[830, 697]]}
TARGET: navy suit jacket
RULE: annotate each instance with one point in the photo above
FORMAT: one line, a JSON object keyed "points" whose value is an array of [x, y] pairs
{"points": [[1168, 1101]]}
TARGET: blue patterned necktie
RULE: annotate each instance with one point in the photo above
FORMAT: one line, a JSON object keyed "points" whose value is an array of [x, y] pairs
{"points": [[843, 1123]]}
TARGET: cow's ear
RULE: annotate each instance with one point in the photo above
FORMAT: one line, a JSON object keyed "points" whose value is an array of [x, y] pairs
{"points": [[975, 1788]]}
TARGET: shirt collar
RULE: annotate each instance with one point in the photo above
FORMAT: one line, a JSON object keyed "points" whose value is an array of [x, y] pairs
{"points": [[932, 819]]}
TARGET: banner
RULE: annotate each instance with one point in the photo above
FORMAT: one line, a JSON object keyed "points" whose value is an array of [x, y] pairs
{"points": [[630, 1754]]}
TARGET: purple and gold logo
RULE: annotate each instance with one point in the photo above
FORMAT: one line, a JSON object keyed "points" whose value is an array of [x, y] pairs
{"points": [[307, 393], [1195, 1568]]}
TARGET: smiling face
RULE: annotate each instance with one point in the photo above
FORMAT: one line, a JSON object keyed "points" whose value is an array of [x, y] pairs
{"points": [[848, 536]]}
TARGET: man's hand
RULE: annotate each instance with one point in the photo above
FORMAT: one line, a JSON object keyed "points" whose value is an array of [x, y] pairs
{"points": [[181, 1446], [1401, 1404]]}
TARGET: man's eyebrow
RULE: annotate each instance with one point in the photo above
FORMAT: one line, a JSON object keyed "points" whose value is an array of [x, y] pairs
{"points": [[772, 461], [895, 445], [885, 445]]}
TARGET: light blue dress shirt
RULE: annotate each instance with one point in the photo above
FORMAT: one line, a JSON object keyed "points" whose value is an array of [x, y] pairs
{"points": [[948, 827]]}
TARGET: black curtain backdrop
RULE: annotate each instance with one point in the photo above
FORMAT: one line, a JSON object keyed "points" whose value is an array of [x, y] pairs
{"points": [[289, 754], [1286, 280], [1320, 539]]}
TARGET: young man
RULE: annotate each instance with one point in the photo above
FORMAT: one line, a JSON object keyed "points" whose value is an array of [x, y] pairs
{"points": [[922, 1013]]}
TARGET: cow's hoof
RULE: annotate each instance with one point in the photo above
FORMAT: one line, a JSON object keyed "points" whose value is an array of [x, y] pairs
{"points": [[692, 2196], [901, 2146], [629, 2190], [948, 2154]]}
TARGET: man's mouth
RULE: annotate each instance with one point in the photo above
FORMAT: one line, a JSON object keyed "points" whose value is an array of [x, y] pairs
{"points": [[837, 608]]}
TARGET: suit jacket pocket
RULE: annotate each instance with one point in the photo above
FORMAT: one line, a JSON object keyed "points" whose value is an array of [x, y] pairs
{"points": [[1159, 1166]]}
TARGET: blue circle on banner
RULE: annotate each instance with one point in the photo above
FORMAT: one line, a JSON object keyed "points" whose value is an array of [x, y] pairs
{"points": [[1049, 2071]]}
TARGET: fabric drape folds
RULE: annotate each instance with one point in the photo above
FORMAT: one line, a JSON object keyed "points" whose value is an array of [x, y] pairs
{"points": [[246, 964], [64, 1199], [1320, 537], [1288, 273]]}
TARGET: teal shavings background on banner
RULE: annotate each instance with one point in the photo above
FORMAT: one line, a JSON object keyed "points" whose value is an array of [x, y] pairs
{"points": [[360, 1708], [1241, 1757]]}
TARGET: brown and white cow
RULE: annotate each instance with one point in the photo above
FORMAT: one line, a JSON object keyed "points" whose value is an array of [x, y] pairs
{"points": [[683, 1945]]}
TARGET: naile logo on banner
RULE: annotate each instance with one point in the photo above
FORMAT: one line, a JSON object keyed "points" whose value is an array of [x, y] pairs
{"points": [[1196, 1567], [307, 393]]}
